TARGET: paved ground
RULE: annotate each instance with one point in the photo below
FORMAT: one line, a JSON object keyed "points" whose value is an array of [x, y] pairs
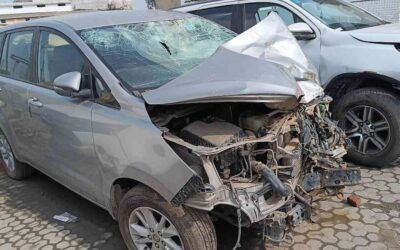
{"points": [[27, 208]]}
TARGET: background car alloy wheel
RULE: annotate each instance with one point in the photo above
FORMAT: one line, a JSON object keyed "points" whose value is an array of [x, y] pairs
{"points": [[150, 229], [371, 119], [367, 128], [7, 154]]}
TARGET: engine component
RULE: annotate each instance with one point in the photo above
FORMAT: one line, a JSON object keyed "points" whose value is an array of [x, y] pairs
{"points": [[330, 178], [275, 227], [276, 184], [213, 134], [262, 162], [299, 214], [255, 123]]}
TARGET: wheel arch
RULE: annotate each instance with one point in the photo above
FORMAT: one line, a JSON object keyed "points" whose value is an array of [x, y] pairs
{"points": [[10, 136], [344, 83], [118, 189]]}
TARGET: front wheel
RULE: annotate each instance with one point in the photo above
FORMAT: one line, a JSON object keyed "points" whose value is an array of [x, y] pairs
{"points": [[147, 221], [371, 120]]}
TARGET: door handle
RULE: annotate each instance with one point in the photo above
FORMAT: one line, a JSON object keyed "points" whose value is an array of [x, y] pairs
{"points": [[35, 102]]}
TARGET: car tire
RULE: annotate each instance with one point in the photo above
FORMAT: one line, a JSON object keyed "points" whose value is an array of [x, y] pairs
{"points": [[14, 169], [375, 139], [194, 227]]}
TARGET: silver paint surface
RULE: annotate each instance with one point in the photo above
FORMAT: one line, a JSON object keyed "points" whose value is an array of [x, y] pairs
{"points": [[336, 53], [87, 146]]}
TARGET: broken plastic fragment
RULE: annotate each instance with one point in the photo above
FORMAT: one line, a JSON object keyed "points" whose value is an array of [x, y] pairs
{"points": [[65, 217]]}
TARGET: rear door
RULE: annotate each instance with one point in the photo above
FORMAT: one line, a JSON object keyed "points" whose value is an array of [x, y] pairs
{"points": [[16, 67], [63, 141]]}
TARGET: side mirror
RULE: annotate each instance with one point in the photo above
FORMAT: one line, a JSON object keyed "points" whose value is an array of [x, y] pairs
{"points": [[69, 85], [302, 31]]}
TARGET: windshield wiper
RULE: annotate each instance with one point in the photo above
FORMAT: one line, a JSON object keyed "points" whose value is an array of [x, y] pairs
{"points": [[166, 47]]}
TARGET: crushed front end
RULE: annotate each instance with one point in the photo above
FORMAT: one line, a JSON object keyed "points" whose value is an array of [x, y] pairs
{"points": [[253, 124], [262, 162]]}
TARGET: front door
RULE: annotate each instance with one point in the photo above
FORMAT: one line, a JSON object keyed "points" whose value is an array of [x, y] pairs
{"points": [[255, 12], [63, 140]]}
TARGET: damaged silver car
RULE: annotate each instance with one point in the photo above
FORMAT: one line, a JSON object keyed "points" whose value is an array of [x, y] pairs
{"points": [[166, 119]]}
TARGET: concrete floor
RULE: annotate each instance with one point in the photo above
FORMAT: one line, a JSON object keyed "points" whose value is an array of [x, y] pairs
{"points": [[27, 208]]}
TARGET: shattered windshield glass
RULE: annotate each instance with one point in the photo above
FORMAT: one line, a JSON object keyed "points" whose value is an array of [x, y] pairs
{"points": [[148, 55]]}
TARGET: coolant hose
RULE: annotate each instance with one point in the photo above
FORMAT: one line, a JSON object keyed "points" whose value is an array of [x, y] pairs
{"points": [[276, 184]]}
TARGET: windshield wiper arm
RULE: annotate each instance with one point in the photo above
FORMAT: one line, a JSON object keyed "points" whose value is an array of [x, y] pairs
{"points": [[166, 47]]}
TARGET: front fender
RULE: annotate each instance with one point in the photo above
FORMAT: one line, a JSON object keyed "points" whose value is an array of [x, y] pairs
{"points": [[128, 145], [354, 56]]}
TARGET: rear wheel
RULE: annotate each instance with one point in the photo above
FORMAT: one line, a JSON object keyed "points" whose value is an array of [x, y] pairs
{"points": [[14, 169], [371, 120], [147, 221]]}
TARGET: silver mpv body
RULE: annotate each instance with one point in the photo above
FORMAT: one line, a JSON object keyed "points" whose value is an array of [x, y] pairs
{"points": [[164, 118]]}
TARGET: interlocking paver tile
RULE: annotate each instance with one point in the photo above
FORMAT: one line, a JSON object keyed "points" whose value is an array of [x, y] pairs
{"points": [[27, 208]]}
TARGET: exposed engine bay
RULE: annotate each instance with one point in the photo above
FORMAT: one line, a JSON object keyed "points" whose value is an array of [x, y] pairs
{"points": [[255, 163]]}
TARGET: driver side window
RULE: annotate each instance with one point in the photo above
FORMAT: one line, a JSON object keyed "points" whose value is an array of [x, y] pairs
{"points": [[57, 57], [256, 12]]}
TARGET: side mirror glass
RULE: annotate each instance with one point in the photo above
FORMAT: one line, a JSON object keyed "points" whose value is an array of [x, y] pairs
{"points": [[69, 85], [302, 31]]}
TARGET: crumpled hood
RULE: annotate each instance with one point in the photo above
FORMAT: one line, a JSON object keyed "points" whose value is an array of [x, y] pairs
{"points": [[387, 33], [263, 64]]}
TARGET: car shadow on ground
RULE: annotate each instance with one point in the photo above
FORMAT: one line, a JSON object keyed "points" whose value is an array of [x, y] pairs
{"points": [[28, 207], [26, 219]]}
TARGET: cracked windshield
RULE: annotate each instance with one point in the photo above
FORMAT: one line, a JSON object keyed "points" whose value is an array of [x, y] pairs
{"points": [[148, 55]]}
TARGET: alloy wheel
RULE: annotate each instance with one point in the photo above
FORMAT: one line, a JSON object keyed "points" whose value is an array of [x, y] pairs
{"points": [[367, 128], [151, 230], [7, 154]]}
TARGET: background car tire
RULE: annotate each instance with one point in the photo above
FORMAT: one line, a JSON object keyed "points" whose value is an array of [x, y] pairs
{"points": [[194, 226], [14, 169], [383, 103]]}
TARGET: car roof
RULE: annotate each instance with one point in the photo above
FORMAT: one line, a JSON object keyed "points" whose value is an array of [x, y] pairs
{"points": [[87, 20], [210, 3], [203, 2], [195, 4]]}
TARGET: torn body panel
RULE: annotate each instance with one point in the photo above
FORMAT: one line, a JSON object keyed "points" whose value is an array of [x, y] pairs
{"points": [[265, 63], [263, 161], [253, 124], [215, 79]]}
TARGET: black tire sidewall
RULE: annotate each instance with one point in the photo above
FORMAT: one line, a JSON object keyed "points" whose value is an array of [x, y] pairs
{"points": [[178, 216], [388, 104]]}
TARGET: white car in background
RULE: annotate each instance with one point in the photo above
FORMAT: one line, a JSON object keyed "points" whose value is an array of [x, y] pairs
{"points": [[357, 56]]}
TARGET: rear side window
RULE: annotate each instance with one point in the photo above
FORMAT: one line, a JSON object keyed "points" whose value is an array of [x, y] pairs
{"points": [[221, 15], [16, 59]]}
